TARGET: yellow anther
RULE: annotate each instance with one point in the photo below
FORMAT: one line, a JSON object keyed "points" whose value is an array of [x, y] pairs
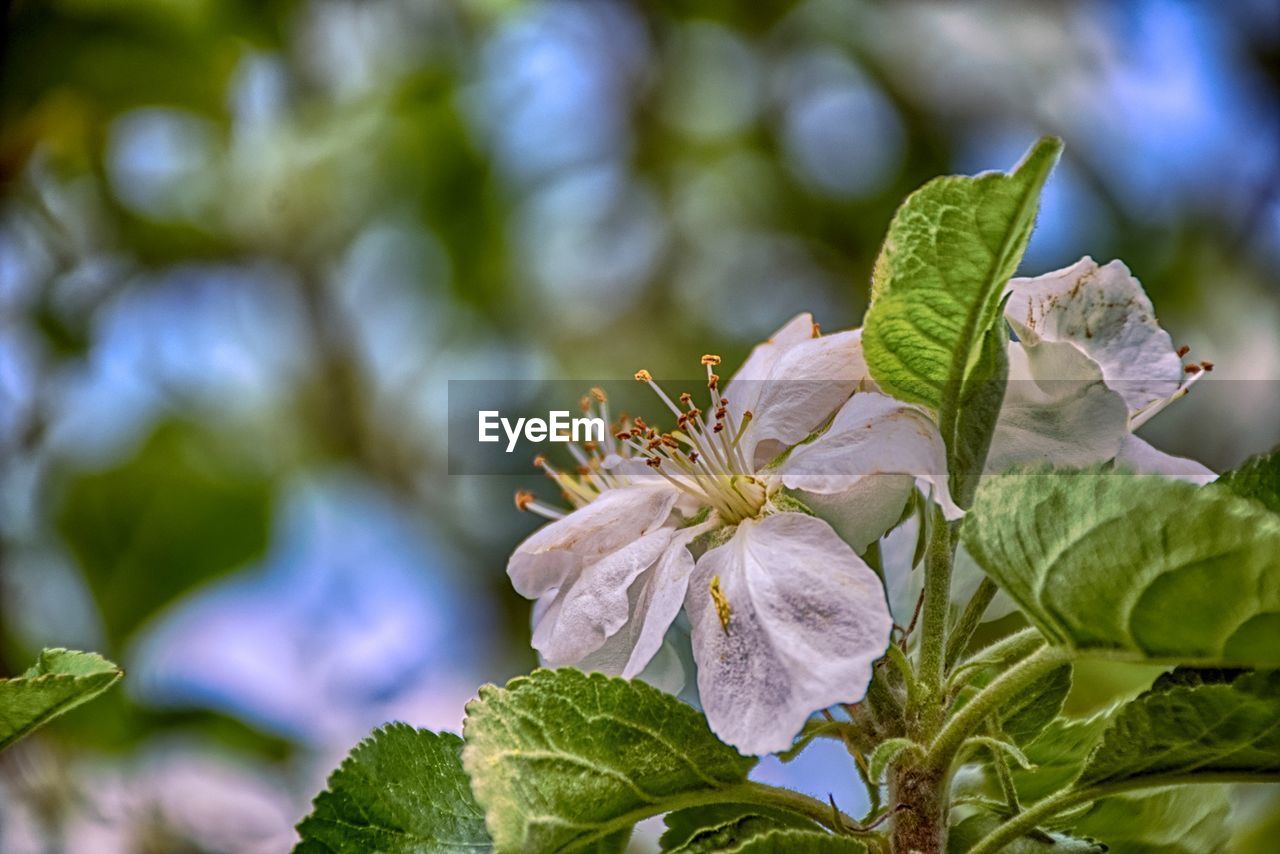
{"points": [[523, 499], [722, 603], [817, 330], [710, 359], [644, 376], [598, 394]]}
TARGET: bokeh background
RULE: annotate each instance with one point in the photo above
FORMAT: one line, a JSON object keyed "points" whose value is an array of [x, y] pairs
{"points": [[245, 245]]}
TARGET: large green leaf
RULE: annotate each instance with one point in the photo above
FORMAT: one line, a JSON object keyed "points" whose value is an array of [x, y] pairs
{"points": [[400, 790], [1193, 725], [1258, 478], [1139, 568], [60, 680], [718, 827], [562, 759], [1176, 820], [950, 250]]}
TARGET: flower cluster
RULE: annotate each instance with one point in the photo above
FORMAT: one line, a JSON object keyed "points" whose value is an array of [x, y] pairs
{"points": [[753, 513]]}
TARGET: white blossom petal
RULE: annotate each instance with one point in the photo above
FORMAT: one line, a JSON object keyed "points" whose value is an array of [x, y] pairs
{"points": [[807, 620], [1056, 410], [594, 606], [1104, 312], [808, 382], [759, 365], [552, 556], [873, 434], [866, 510], [1138, 455]]}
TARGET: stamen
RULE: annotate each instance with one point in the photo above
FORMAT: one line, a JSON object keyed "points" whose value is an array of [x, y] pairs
{"points": [[711, 359], [1183, 350], [525, 502], [598, 394], [723, 611], [817, 330], [1208, 366], [643, 376]]}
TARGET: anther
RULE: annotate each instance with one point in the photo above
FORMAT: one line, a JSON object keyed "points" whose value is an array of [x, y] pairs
{"points": [[653, 462], [1208, 366], [523, 499], [585, 403], [713, 381], [1183, 350], [817, 330], [539, 461], [721, 602], [598, 394], [710, 359], [685, 398], [643, 376], [1193, 369]]}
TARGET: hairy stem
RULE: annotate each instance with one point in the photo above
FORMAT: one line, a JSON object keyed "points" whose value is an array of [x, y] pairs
{"points": [[933, 636], [990, 700]]}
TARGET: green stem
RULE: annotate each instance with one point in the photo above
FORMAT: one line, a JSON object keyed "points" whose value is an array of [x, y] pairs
{"points": [[1001, 764], [933, 636], [963, 630], [990, 700], [1011, 648]]}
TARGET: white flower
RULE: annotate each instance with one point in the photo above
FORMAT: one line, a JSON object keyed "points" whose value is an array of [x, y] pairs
{"points": [[1090, 366], [785, 617]]}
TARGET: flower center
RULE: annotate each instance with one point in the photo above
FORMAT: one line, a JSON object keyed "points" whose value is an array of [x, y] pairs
{"points": [[703, 456]]}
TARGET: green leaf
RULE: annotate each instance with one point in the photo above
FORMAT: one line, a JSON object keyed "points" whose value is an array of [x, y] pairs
{"points": [[1176, 820], [563, 759], [400, 790], [60, 680], [1180, 731], [800, 842], [970, 830], [719, 827], [1031, 712], [1258, 478], [1058, 754], [981, 396], [1131, 567], [997, 745], [936, 289], [886, 753]]}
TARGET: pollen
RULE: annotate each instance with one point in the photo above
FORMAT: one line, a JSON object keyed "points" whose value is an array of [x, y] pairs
{"points": [[710, 359], [523, 499], [644, 376], [722, 603]]}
